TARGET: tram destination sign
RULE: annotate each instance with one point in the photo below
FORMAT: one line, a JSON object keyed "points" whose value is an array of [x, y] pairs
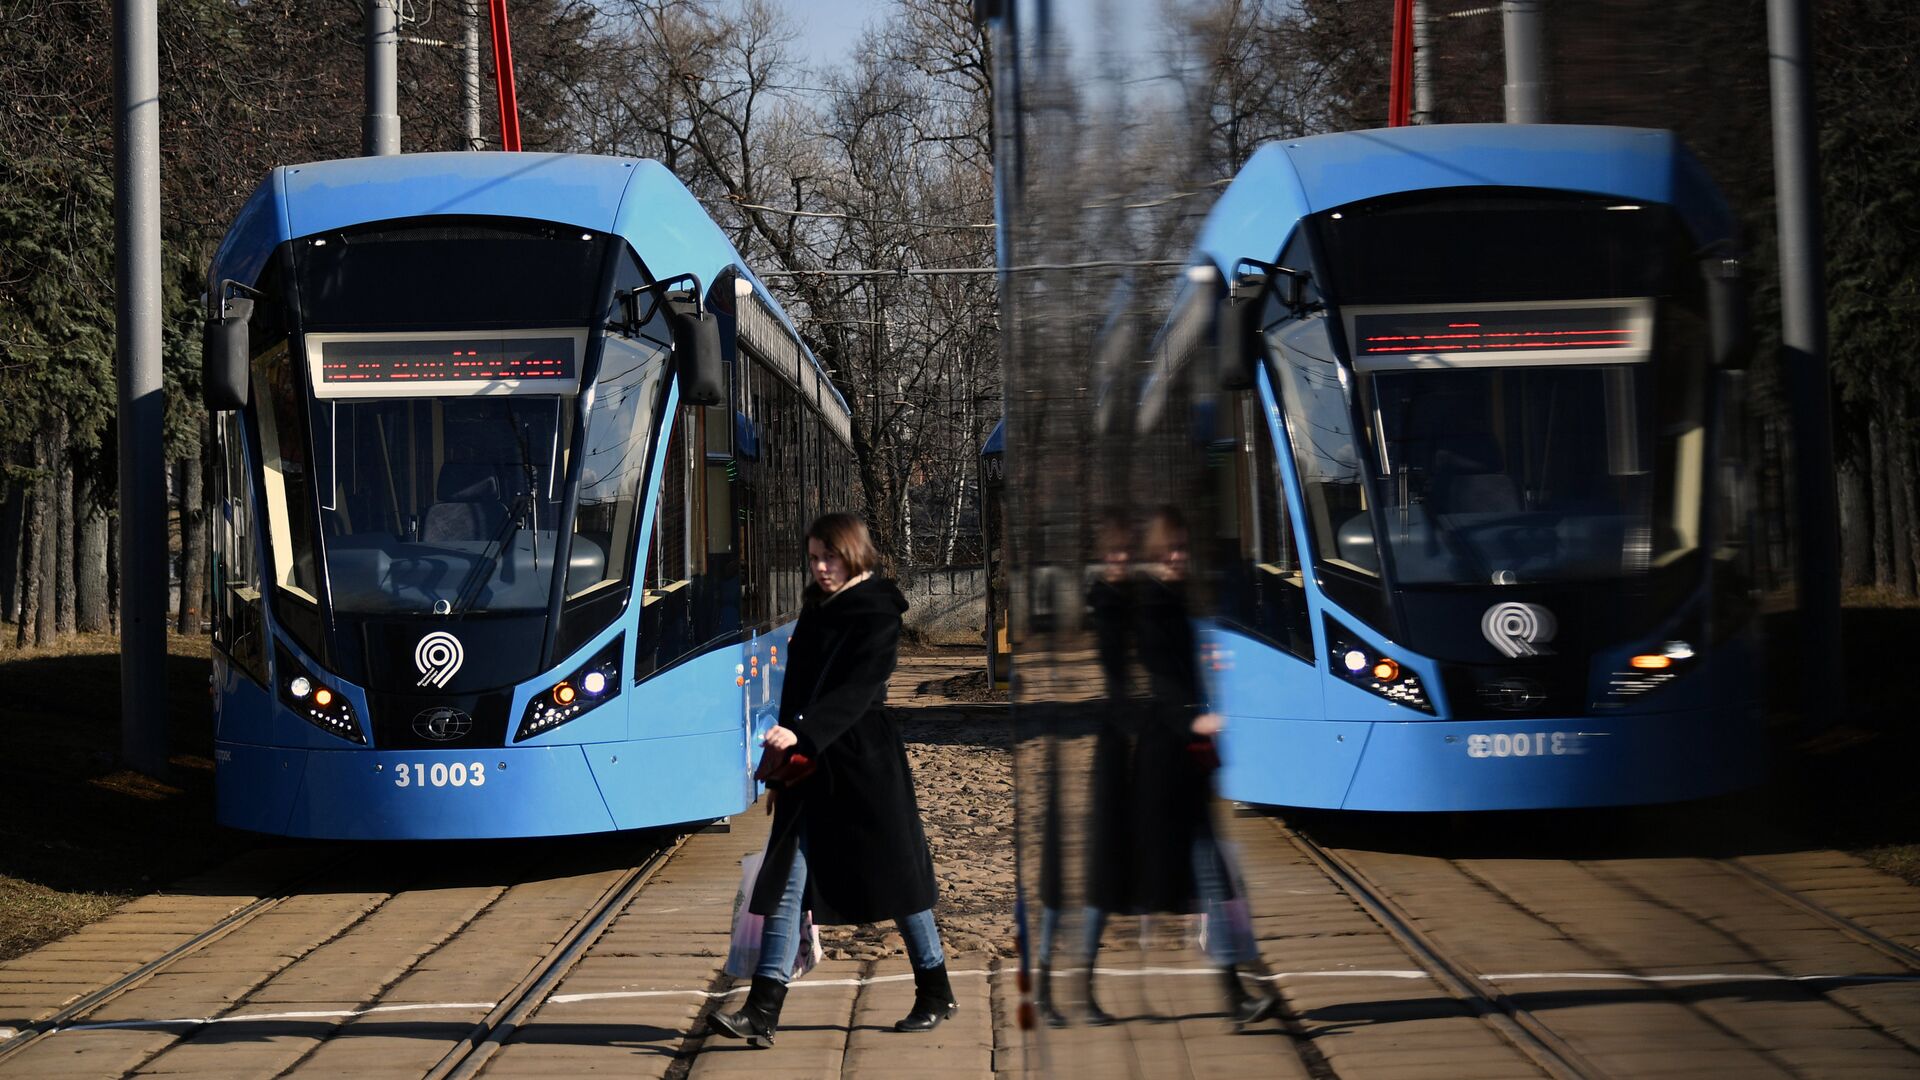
{"points": [[1454, 335], [459, 364]]}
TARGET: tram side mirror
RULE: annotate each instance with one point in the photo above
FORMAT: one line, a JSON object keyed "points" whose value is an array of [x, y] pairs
{"points": [[1729, 320], [697, 352], [1239, 335], [224, 355]]}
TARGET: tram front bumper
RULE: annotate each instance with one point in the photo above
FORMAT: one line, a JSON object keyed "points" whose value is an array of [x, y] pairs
{"points": [[555, 790], [1536, 763]]}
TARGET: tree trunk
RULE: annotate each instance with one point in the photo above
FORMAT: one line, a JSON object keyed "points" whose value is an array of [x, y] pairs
{"points": [[13, 499], [46, 563], [1900, 494], [90, 557], [1856, 526], [33, 529], [193, 544], [113, 571], [1878, 468], [1906, 540], [64, 621]]}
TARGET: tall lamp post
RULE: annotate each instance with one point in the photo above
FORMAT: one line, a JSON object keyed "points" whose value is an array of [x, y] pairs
{"points": [[143, 513]]}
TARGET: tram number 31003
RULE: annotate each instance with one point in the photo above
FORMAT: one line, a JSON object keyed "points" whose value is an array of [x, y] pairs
{"points": [[1526, 744], [441, 774]]}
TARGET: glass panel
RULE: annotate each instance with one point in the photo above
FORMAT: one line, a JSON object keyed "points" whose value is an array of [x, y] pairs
{"points": [[443, 504], [285, 473], [1325, 449], [614, 463], [1518, 475], [235, 571]]}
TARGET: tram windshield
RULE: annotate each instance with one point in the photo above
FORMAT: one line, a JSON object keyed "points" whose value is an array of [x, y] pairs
{"points": [[1515, 475]]}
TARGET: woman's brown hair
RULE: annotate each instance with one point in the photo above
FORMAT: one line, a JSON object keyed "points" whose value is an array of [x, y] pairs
{"points": [[1166, 530], [846, 536]]}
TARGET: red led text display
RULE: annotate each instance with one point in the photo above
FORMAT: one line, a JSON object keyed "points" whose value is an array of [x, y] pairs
{"points": [[1555, 329], [362, 361]]}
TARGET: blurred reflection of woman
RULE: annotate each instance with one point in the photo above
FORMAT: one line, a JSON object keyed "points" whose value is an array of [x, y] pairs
{"points": [[1175, 855], [847, 841]]}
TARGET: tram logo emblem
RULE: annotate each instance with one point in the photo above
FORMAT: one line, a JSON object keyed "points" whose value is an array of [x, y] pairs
{"points": [[442, 725], [438, 656], [1519, 630]]}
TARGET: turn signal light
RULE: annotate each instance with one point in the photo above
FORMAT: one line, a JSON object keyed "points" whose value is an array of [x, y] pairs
{"points": [[563, 694], [1652, 662], [323, 697], [1386, 670]]}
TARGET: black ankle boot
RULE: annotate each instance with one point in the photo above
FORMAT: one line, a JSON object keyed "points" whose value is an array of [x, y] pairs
{"points": [[1244, 1008], [757, 1019], [1043, 999], [932, 1000], [1095, 1015]]}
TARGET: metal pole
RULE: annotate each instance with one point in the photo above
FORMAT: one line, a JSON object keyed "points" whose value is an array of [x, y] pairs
{"points": [[143, 511], [1422, 65], [1525, 29], [1803, 346], [380, 132], [470, 85]]}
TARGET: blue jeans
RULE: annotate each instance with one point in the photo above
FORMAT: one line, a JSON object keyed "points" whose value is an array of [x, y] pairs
{"points": [[1229, 939], [780, 937]]}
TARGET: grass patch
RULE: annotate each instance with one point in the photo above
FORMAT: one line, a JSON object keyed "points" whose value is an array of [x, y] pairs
{"points": [[82, 834]]}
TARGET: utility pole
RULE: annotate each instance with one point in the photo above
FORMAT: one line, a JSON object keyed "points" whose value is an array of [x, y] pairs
{"points": [[1422, 65], [1803, 348], [470, 85], [1524, 24], [143, 511], [380, 131]]}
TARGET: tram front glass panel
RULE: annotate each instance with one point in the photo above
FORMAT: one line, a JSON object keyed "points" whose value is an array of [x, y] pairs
{"points": [[418, 431], [1506, 390]]}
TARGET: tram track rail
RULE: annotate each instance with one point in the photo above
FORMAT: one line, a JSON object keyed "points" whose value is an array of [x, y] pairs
{"points": [[1863, 934], [1516, 1025], [497, 1028], [92, 1001]]}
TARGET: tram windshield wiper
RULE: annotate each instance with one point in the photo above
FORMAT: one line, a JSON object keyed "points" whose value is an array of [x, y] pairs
{"points": [[523, 513]]}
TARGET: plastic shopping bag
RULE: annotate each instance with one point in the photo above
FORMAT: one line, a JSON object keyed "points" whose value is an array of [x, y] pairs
{"points": [[743, 952]]}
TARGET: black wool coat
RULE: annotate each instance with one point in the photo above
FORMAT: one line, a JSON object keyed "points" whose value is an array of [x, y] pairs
{"points": [[867, 856], [1170, 784]]}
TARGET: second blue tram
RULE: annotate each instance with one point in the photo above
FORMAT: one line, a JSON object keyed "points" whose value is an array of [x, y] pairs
{"points": [[1467, 404], [517, 459]]}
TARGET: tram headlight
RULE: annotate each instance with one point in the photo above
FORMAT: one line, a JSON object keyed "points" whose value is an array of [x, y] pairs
{"points": [[1353, 661], [1645, 672], [314, 701], [584, 689]]}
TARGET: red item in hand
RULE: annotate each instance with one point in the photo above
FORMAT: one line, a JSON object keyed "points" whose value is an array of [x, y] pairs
{"points": [[1204, 754], [783, 768]]}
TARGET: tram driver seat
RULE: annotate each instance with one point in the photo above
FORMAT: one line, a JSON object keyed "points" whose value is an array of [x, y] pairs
{"points": [[470, 506], [1468, 477]]}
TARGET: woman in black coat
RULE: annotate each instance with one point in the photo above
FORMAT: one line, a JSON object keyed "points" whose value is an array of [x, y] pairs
{"points": [[847, 841], [1174, 857]]}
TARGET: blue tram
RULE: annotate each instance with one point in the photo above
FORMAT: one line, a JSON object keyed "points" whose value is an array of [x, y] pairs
{"points": [[517, 458], [1466, 404]]}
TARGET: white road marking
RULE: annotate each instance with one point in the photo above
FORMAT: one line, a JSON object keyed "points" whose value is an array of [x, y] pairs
{"points": [[317, 1014], [1106, 972]]}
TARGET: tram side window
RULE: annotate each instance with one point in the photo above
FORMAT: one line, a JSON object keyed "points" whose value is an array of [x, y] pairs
{"points": [[667, 611], [287, 480], [1278, 596], [237, 619], [1325, 447]]}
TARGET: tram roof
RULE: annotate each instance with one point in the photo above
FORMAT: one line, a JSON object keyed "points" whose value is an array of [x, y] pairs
{"points": [[1285, 181], [635, 198]]}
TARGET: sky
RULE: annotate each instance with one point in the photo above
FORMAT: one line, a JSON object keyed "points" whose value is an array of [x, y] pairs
{"points": [[829, 29]]}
